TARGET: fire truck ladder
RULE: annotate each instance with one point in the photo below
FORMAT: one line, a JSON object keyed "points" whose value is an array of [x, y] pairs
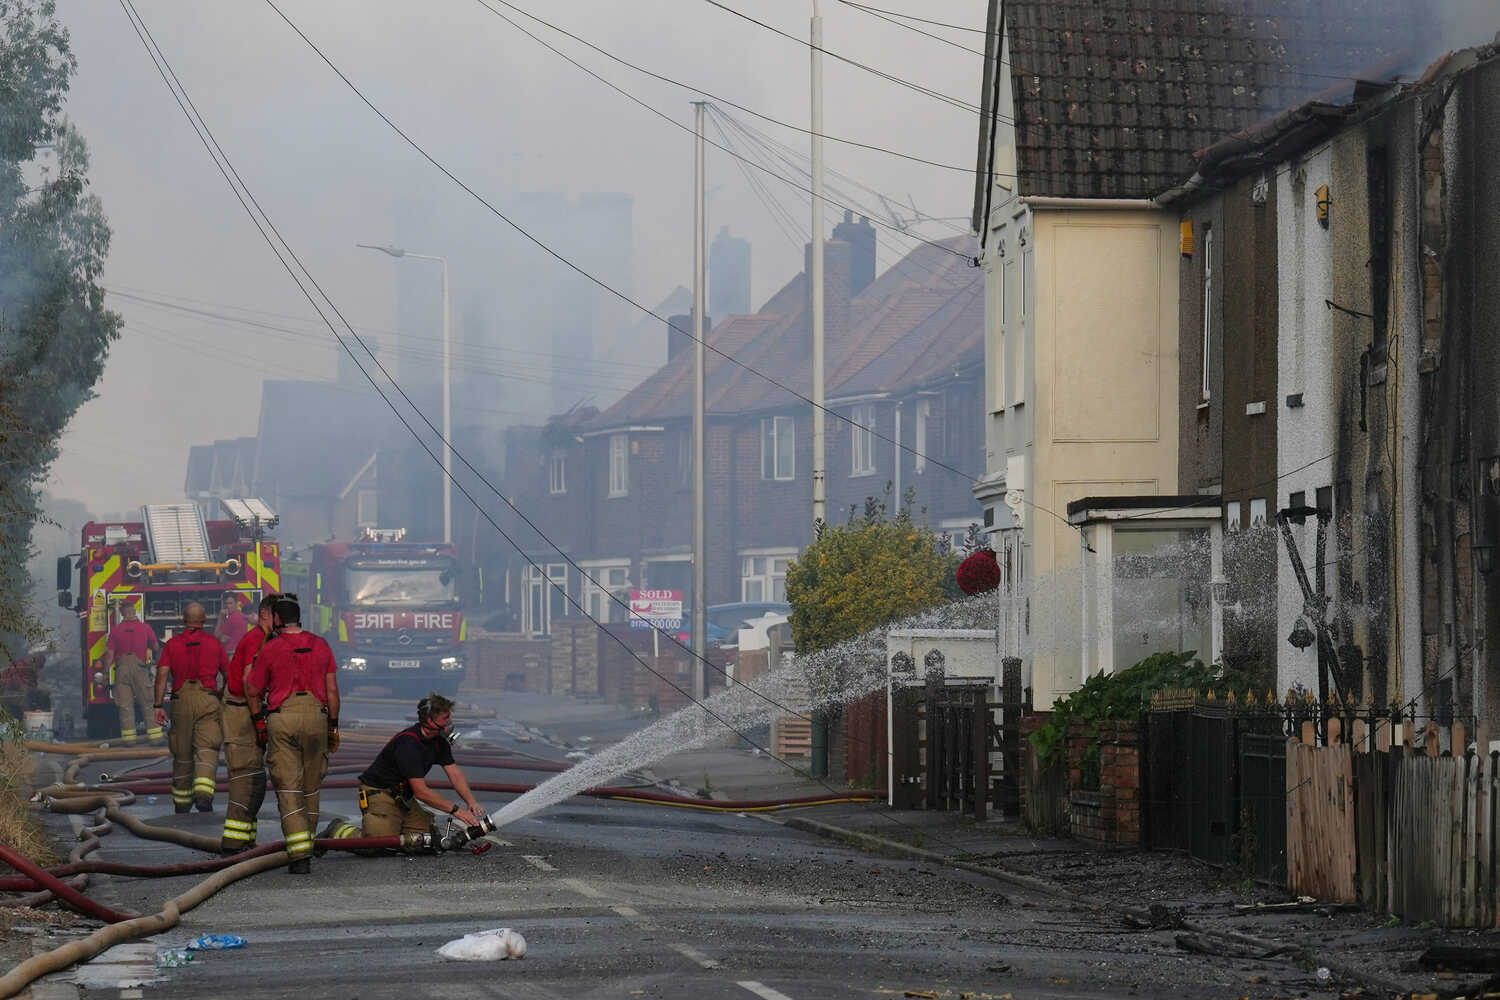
{"points": [[176, 534]]}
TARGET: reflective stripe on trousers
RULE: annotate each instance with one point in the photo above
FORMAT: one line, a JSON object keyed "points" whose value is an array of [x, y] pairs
{"points": [[197, 732], [247, 773], [298, 759]]}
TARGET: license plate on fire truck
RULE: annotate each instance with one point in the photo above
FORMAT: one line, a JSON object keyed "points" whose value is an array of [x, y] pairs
{"points": [[405, 664]]}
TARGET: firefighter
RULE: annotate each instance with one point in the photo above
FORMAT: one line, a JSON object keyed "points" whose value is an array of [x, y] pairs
{"points": [[132, 645], [293, 692], [192, 660], [392, 787], [242, 754], [233, 623]]}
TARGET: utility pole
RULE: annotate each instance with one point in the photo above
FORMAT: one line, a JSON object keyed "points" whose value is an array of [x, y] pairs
{"points": [[700, 587], [819, 458]]}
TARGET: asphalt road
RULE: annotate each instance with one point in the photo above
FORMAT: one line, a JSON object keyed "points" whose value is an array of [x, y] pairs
{"points": [[624, 900]]}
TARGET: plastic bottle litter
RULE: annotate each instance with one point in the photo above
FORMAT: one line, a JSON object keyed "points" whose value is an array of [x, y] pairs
{"points": [[495, 945], [216, 942], [172, 958]]}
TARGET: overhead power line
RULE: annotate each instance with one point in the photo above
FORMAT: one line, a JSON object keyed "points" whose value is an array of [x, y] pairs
{"points": [[881, 15], [911, 17], [633, 99], [926, 91], [722, 100]]}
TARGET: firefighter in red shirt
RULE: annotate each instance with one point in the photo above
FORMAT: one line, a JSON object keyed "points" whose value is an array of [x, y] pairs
{"points": [[242, 754], [131, 646], [294, 698], [192, 660], [233, 623]]}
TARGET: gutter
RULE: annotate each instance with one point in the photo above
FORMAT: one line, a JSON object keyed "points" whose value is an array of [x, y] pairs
{"points": [[1098, 204]]}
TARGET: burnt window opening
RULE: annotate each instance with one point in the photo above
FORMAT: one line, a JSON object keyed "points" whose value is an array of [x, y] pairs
{"points": [[1295, 501], [1378, 171], [1325, 500]]}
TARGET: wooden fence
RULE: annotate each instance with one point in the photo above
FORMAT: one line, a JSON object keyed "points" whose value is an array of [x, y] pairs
{"points": [[1397, 828]]}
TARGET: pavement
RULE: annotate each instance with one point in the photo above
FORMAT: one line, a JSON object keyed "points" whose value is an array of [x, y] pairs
{"points": [[1364, 952]]}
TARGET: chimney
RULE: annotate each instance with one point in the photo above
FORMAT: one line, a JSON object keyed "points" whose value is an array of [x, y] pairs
{"points": [[837, 256], [680, 333], [861, 238]]}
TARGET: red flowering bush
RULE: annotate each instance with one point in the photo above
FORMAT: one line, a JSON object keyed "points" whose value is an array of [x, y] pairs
{"points": [[979, 573]]}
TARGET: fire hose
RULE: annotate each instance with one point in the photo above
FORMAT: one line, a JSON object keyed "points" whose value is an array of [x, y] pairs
{"points": [[108, 800]]}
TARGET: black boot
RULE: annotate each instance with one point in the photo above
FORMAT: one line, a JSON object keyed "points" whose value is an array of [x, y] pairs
{"points": [[302, 866], [180, 808], [205, 805]]}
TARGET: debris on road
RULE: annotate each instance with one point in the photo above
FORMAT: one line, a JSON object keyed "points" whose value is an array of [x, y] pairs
{"points": [[495, 945], [216, 942]]}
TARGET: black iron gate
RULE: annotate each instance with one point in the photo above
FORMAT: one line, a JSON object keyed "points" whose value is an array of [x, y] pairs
{"points": [[1213, 774]]}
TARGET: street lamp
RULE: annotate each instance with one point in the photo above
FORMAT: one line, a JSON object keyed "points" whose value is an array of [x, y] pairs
{"points": [[398, 252]]}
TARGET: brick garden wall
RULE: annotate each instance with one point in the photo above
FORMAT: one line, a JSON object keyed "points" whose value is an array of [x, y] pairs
{"points": [[1110, 814]]}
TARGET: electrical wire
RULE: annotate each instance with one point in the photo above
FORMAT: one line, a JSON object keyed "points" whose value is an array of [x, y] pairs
{"points": [[608, 83], [912, 17], [880, 15], [936, 95], [715, 97]]}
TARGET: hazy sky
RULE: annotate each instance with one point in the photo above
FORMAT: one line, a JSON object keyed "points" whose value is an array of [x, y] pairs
{"points": [[503, 113]]}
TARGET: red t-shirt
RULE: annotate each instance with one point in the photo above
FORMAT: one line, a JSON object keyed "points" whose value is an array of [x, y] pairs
{"points": [[233, 627], [294, 661], [194, 655], [244, 655], [133, 638]]}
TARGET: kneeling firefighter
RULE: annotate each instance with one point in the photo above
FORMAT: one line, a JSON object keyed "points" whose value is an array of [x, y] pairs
{"points": [[293, 693], [394, 787]]}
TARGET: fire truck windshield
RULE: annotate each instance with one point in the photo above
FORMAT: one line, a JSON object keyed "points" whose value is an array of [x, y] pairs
{"points": [[401, 586]]}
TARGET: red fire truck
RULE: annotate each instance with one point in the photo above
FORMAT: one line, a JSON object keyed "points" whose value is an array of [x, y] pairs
{"points": [[392, 611], [168, 559]]}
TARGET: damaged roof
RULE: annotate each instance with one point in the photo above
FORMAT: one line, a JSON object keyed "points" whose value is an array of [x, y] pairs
{"points": [[1113, 98]]}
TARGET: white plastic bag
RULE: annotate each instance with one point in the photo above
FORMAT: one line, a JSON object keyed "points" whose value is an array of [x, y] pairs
{"points": [[486, 946]]}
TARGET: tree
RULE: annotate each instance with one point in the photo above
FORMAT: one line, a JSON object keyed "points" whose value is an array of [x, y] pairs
{"points": [[866, 573], [54, 329]]}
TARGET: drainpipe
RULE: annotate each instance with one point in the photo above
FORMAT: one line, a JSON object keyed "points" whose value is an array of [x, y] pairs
{"points": [[896, 450]]}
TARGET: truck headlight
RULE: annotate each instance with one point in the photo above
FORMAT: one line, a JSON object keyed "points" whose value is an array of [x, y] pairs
{"points": [[450, 663], [355, 663]]}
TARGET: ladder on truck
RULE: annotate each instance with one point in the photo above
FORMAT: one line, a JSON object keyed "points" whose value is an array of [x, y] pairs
{"points": [[176, 534]]}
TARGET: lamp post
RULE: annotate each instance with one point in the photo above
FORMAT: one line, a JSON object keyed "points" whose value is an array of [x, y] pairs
{"points": [[398, 252]]}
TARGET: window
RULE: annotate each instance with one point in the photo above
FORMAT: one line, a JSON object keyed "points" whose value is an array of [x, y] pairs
{"points": [[1257, 513], [619, 465], [685, 459], [919, 442], [763, 576], [367, 514], [1208, 307], [1028, 294], [863, 436], [558, 478], [778, 450], [1232, 513], [603, 581], [545, 597], [1011, 317]]}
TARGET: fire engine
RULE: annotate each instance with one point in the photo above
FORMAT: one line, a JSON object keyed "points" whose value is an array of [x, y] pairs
{"points": [[391, 609], [168, 559]]}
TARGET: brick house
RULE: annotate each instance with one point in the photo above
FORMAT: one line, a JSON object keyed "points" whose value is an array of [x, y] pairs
{"points": [[613, 489]]}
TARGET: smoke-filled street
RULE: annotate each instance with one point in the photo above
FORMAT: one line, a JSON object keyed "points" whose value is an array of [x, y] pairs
{"points": [[618, 899]]}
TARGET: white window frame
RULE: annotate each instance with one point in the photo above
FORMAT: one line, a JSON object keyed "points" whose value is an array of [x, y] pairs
{"points": [[536, 590], [1010, 321], [862, 439], [363, 516], [1208, 310], [557, 473], [619, 465], [1258, 517], [778, 449], [602, 579], [924, 420], [1028, 295], [763, 574], [685, 459]]}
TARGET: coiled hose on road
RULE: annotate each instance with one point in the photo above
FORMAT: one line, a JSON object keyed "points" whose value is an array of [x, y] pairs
{"points": [[108, 798]]}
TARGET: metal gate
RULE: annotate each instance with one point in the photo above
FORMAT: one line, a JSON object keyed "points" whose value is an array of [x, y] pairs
{"points": [[1262, 761]]}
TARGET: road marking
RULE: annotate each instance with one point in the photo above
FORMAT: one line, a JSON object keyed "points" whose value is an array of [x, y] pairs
{"points": [[760, 990], [628, 912], [537, 862], [697, 956], [581, 887], [132, 994]]}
